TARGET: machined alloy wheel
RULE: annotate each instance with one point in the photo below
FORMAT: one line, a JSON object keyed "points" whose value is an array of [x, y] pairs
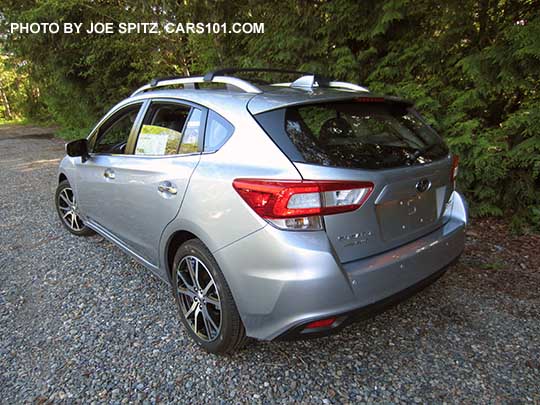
{"points": [[205, 302], [199, 298], [66, 205]]}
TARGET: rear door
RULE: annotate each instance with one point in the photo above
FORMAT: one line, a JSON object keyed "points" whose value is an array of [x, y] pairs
{"points": [[376, 140]]}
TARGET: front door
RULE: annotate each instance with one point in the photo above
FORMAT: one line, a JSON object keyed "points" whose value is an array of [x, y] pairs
{"points": [[98, 177]]}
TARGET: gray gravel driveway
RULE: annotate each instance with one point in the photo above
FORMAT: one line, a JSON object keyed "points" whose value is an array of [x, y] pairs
{"points": [[80, 321]]}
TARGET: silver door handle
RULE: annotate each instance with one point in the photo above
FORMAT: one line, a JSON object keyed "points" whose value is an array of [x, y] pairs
{"points": [[109, 174], [167, 187]]}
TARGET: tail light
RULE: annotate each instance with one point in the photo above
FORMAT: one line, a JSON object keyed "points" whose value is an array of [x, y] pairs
{"points": [[455, 167], [299, 205]]}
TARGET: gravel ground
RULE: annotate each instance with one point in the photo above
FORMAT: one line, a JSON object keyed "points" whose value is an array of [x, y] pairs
{"points": [[80, 321]]}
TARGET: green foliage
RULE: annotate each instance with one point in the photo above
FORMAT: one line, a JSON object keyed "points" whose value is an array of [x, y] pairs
{"points": [[71, 134], [471, 67], [18, 97]]}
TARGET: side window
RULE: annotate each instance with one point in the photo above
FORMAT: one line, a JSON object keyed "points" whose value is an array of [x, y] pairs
{"points": [[162, 129], [113, 135], [190, 141], [218, 131]]}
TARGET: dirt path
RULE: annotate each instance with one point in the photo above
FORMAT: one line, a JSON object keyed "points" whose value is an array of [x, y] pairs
{"points": [[18, 131]]}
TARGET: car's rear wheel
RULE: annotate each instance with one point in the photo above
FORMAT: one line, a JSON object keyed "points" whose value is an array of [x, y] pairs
{"points": [[66, 206], [205, 302]]}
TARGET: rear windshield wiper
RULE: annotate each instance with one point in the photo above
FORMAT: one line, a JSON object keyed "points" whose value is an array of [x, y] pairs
{"points": [[419, 152]]}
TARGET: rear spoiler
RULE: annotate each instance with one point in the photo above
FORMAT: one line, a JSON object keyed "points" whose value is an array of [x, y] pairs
{"points": [[258, 105]]}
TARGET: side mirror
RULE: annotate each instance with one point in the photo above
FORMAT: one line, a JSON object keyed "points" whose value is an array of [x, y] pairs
{"points": [[78, 148]]}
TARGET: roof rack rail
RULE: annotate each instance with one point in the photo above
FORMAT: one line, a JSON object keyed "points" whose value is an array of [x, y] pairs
{"points": [[308, 80], [193, 80], [348, 86], [228, 71], [303, 81]]}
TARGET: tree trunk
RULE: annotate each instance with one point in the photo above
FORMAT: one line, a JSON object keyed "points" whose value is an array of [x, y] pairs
{"points": [[5, 102]]}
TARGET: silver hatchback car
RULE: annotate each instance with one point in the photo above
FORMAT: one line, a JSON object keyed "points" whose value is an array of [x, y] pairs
{"points": [[275, 211]]}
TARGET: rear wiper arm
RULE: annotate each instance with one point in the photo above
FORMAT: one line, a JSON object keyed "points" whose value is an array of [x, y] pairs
{"points": [[419, 152]]}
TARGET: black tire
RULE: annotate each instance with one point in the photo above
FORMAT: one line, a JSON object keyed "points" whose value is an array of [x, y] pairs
{"points": [[231, 335], [80, 229]]}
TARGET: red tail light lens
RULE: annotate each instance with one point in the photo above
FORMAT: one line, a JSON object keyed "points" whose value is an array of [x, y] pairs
{"points": [[455, 167], [300, 205], [280, 199]]}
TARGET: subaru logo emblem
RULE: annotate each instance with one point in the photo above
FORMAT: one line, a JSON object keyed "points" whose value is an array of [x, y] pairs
{"points": [[423, 185]]}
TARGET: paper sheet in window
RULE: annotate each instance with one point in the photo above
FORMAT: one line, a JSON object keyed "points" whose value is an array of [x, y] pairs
{"points": [[155, 140]]}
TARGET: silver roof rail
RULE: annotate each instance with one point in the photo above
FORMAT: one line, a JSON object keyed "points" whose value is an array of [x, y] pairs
{"points": [[171, 81], [348, 86], [311, 81], [308, 81]]}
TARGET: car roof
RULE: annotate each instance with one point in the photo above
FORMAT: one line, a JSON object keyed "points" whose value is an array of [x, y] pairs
{"points": [[275, 97], [225, 101]]}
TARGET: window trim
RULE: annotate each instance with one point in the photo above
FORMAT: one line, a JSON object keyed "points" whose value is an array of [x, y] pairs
{"points": [[202, 128]]}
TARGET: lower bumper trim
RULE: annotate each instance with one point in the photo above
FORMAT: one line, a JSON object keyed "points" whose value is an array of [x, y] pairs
{"points": [[362, 313]]}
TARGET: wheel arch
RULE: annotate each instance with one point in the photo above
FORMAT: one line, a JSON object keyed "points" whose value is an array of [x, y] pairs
{"points": [[61, 178], [175, 240], [177, 232]]}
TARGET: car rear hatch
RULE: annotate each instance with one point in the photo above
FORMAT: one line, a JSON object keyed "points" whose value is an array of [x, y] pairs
{"points": [[379, 140]]}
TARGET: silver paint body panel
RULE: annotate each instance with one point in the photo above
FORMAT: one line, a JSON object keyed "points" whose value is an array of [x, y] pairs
{"points": [[279, 279]]}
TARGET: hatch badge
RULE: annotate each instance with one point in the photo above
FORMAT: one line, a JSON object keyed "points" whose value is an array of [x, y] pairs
{"points": [[423, 185]]}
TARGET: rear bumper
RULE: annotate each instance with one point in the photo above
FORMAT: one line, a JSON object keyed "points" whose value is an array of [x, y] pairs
{"points": [[284, 280], [366, 312]]}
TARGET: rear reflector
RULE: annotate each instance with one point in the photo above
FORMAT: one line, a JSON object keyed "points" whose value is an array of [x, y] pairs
{"points": [[323, 323], [280, 199], [455, 167]]}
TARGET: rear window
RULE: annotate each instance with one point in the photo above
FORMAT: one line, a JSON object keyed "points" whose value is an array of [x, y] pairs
{"points": [[354, 134]]}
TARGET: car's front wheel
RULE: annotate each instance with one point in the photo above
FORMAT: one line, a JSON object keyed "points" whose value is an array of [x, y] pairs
{"points": [[66, 206], [205, 302]]}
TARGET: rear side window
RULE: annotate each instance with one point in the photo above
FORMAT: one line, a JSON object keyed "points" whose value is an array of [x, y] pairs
{"points": [[218, 131], [355, 135], [161, 132]]}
